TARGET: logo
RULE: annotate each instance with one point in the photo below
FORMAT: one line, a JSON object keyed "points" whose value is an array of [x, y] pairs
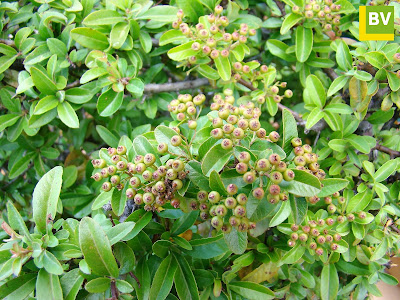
{"points": [[376, 23]]}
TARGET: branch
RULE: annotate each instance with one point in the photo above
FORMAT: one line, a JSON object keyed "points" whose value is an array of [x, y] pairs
{"points": [[331, 73], [175, 86], [72, 84], [281, 7], [7, 42], [391, 152]]}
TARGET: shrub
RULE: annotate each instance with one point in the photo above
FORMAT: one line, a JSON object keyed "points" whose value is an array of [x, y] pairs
{"points": [[157, 151]]}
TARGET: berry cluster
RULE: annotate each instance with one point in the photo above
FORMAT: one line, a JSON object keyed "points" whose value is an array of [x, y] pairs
{"points": [[317, 235], [225, 213], [148, 184], [211, 38], [306, 160], [325, 12], [187, 108]]}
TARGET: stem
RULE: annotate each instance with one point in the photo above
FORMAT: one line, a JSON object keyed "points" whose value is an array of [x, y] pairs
{"points": [[134, 277], [391, 152]]}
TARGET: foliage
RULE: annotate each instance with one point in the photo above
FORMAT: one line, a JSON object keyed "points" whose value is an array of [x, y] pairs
{"points": [[153, 151]]}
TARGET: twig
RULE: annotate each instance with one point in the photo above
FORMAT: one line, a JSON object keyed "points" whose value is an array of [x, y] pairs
{"points": [[331, 73], [134, 277], [114, 291], [395, 228], [281, 7], [72, 84], [391, 152], [175, 86], [7, 42]]}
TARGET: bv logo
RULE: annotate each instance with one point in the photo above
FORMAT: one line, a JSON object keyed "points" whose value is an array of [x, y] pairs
{"points": [[376, 23]]}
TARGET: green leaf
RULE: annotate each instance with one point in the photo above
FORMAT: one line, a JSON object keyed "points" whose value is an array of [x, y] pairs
{"points": [[289, 131], [90, 38], [290, 20], [48, 286], [224, 67], [124, 286], [185, 283], [337, 84], [196, 176], [293, 255], [338, 108], [304, 43], [304, 184], [160, 13], [16, 221], [43, 83], [359, 202], [6, 62], [143, 274], [236, 241], [208, 72], [18, 288], [182, 52], [215, 159], [51, 263], [119, 232], [192, 9], [337, 145], [279, 48], [385, 170], [92, 74], [107, 136], [315, 115], [282, 214], [163, 279], [45, 197], [21, 165], [109, 102], [103, 17], [329, 282], [67, 115], [57, 47], [184, 222], [119, 34], [172, 36], [314, 92], [8, 120], [332, 185], [71, 284], [216, 183], [299, 208], [46, 104], [251, 290], [394, 81], [96, 248], [377, 59], [343, 56], [135, 87], [98, 285], [118, 201], [207, 248]]}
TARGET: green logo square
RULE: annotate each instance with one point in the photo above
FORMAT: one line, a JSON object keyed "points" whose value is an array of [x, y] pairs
{"points": [[380, 19]]}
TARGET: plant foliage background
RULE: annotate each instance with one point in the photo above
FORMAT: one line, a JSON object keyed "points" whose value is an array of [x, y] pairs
{"points": [[196, 149]]}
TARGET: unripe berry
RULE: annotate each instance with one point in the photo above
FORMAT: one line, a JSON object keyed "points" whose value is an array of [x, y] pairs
{"points": [[228, 128], [217, 222], [321, 239], [97, 176], [239, 211], [111, 151], [238, 133], [178, 165], [303, 237], [148, 198], [138, 198], [241, 168], [254, 124], [396, 57], [111, 170], [306, 228], [299, 161], [331, 208], [237, 66], [244, 157], [115, 159], [319, 251], [217, 133], [176, 140], [314, 232], [276, 177], [226, 144], [329, 238], [214, 197], [249, 177], [274, 159], [206, 49], [262, 165], [171, 174], [258, 193], [243, 124], [232, 189], [294, 227], [274, 189], [350, 217], [135, 182], [106, 186], [274, 136], [115, 179], [218, 9], [288, 175], [214, 54], [291, 243], [192, 124]]}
